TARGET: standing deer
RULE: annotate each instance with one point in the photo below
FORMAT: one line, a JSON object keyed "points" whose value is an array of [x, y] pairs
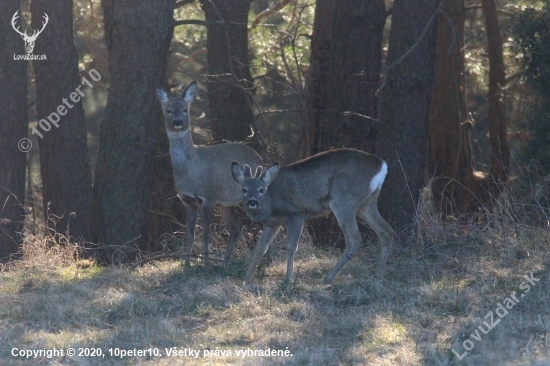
{"points": [[345, 182], [201, 173]]}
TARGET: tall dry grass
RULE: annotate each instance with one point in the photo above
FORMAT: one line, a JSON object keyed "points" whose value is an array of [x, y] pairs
{"points": [[440, 284]]}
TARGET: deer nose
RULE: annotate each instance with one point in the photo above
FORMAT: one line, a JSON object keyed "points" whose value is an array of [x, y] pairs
{"points": [[252, 203], [178, 123]]}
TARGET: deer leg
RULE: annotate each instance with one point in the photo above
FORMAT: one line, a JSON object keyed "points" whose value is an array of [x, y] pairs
{"points": [[230, 218], [191, 215], [268, 234], [346, 219], [207, 210], [370, 215], [294, 227]]}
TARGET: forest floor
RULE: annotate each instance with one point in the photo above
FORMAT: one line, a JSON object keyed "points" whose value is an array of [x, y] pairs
{"points": [[452, 288]]}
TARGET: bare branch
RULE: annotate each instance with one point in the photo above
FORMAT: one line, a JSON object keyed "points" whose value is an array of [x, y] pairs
{"points": [[478, 6], [181, 3], [268, 12], [191, 21]]}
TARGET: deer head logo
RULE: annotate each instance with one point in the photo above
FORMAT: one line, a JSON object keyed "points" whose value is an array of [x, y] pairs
{"points": [[29, 40]]}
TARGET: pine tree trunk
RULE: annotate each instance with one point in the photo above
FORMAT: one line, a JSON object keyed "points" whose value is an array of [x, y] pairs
{"points": [[13, 128], [450, 161], [138, 34], [230, 84], [500, 151], [64, 160], [346, 60], [405, 104], [354, 76], [319, 66]]}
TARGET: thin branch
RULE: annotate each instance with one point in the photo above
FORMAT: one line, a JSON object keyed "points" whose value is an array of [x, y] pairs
{"points": [[181, 3], [400, 59], [478, 6], [174, 254], [192, 21], [348, 113], [268, 12]]}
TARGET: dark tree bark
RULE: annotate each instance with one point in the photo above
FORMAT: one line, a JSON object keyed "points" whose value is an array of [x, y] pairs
{"points": [[138, 34], [354, 76], [458, 189], [13, 127], [64, 160], [346, 59], [319, 66], [230, 84], [450, 160], [500, 151], [405, 103]]}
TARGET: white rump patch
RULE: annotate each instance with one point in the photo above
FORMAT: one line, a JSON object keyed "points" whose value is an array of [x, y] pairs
{"points": [[378, 179]]}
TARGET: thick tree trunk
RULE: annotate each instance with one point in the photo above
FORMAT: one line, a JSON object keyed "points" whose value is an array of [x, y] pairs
{"points": [[319, 66], [457, 188], [64, 160], [450, 161], [500, 151], [13, 128], [230, 84], [345, 66], [138, 34], [354, 76], [405, 104]]}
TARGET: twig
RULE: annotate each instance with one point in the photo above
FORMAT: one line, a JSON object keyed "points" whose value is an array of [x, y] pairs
{"points": [[478, 6], [181, 3], [192, 21], [174, 254]]}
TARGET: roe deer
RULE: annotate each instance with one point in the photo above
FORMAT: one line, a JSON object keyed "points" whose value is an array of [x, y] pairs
{"points": [[345, 182], [201, 173]]}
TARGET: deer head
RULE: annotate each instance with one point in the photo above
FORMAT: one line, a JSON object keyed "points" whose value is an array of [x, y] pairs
{"points": [[29, 40]]}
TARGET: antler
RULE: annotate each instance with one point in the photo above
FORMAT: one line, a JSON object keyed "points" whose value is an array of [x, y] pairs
{"points": [[36, 33], [13, 19]]}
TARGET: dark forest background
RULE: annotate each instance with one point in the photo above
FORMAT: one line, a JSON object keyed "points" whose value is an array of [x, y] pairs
{"points": [[452, 94]]}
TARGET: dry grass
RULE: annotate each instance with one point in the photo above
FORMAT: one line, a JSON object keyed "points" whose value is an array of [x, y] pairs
{"points": [[436, 292]]}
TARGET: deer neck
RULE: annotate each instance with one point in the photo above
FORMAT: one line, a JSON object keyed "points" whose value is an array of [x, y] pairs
{"points": [[181, 147]]}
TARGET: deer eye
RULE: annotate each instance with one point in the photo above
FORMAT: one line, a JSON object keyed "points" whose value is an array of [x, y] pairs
{"points": [[261, 190], [245, 190], [168, 111]]}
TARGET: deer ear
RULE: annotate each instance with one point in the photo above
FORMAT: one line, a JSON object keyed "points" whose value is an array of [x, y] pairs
{"points": [[237, 172], [190, 92], [162, 96], [270, 174]]}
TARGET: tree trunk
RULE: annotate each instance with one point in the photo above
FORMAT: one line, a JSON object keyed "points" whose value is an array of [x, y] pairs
{"points": [[457, 188], [138, 34], [405, 104], [500, 152], [354, 76], [64, 160], [346, 60], [319, 66], [230, 84], [450, 160], [13, 128]]}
